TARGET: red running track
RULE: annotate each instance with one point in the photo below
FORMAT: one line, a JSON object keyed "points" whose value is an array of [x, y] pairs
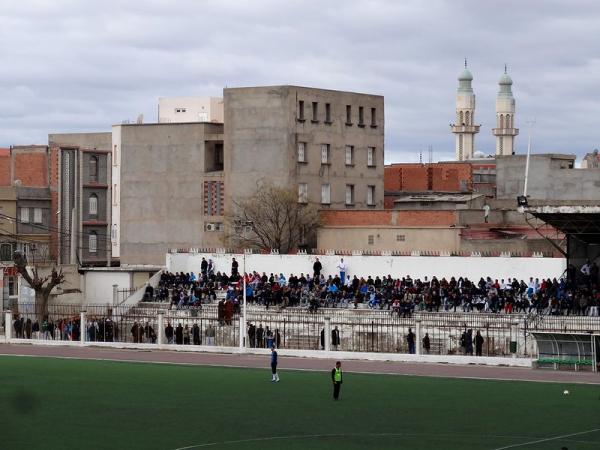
{"points": [[254, 361]]}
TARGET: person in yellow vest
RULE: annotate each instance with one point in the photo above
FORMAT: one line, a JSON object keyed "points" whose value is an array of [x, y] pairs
{"points": [[336, 378]]}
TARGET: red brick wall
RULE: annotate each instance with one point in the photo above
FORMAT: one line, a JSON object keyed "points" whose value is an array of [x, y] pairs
{"points": [[356, 218], [410, 177], [388, 218], [31, 168], [5, 167]]}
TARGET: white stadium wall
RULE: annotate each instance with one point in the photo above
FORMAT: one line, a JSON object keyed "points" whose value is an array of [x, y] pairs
{"points": [[396, 266]]}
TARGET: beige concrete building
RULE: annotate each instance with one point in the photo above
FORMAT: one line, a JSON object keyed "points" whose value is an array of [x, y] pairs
{"points": [[326, 144], [169, 192], [190, 109]]}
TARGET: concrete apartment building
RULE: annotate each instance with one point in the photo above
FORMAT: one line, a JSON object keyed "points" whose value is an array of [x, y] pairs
{"points": [[81, 197], [326, 144], [172, 182], [168, 189], [190, 109]]}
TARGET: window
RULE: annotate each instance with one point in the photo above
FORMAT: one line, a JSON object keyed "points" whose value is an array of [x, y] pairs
{"points": [[326, 194], [371, 195], [315, 112], [93, 242], [349, 155], [371, 156], [37, 215], [114, 159], [324, 153], [214, 198], [113, 233], [400, 237], [13, 286], [348, 115], [93, 168], [302, 193], [93, 205], [6, 252], [373, 117], [24, 215], [180, 110], [327, 113], [371, 239], [300, 109], [301, 151], [361, 116], [349, 194]]}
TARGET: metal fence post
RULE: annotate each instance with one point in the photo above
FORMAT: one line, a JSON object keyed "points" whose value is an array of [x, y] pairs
{"points": [[161, 328], [418, 336], [8, 325], [115, 294], [82, 327], [514, 327], [327, 334]]}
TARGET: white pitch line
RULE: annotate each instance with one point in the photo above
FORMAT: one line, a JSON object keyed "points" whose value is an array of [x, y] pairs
{"points": [[556, 438]]}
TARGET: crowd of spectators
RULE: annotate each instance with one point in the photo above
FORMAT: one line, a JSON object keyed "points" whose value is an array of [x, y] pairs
{"points": [[401, 296]]}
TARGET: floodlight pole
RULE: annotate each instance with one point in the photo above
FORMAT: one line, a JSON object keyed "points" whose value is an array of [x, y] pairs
{"points": [[530, 124]]}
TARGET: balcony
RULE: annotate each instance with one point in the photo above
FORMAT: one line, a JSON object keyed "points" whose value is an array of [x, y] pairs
{"points": [[465, 128]]}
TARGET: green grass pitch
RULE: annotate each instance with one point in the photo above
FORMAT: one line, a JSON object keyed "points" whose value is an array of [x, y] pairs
{"points": [[74, 404]]}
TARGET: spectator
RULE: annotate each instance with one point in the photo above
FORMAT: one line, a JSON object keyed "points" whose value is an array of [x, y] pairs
{"points": [[169, 333], [335, 338], [317, 267], [478, 343], [410, 339], [426, 344]]}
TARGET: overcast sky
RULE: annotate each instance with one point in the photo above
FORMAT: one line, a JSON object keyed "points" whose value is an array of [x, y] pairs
{"points": [[75, 65]]}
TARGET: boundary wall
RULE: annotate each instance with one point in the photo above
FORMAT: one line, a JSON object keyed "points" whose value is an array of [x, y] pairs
{"points": [[319, 354], [472, 267]]}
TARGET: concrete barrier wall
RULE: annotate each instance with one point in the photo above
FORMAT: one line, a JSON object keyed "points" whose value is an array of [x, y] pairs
{"points": [[396, 266], [396, 357]]}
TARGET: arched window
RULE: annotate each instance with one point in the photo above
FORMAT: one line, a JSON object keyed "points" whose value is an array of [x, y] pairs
{"points": [[460, 118], [114, 232], [467, 118], [501, 121], [93, 205], [93, 242], [508, 121], [93, 168]]}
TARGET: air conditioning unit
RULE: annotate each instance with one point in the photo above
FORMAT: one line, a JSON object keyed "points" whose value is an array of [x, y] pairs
{"points": [[211, 227]]}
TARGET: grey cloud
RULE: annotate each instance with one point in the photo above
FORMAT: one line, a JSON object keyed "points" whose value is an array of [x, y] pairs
{"points": [[82, 66]]}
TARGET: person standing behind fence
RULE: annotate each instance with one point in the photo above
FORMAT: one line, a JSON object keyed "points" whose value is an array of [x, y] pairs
{"points": [[275, 377], [169, 333], [336, 378], [335, 338], [196, 334], [426, 343], [478, 343], [410, 339], [210, 334], [234, 269]]}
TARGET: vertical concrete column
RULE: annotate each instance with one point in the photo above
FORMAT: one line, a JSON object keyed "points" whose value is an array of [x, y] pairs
{"points": [[514, 331], [327, 334], [115, 294], [242, 340], [82, 326], [418, 337], [8, 325], [161, 328]]}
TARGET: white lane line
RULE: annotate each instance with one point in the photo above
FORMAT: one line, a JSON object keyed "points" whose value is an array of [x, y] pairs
{"points": [[338, 435], [556, 438]]}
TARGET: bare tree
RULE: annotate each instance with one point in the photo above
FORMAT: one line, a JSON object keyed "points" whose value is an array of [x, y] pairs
{"points": [[42, 285], [271, 218]]}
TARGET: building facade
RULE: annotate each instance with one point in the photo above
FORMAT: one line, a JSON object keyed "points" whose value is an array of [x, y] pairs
{"points": [[168, 189], [190, 109], [81, 197], [327, 145]]}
